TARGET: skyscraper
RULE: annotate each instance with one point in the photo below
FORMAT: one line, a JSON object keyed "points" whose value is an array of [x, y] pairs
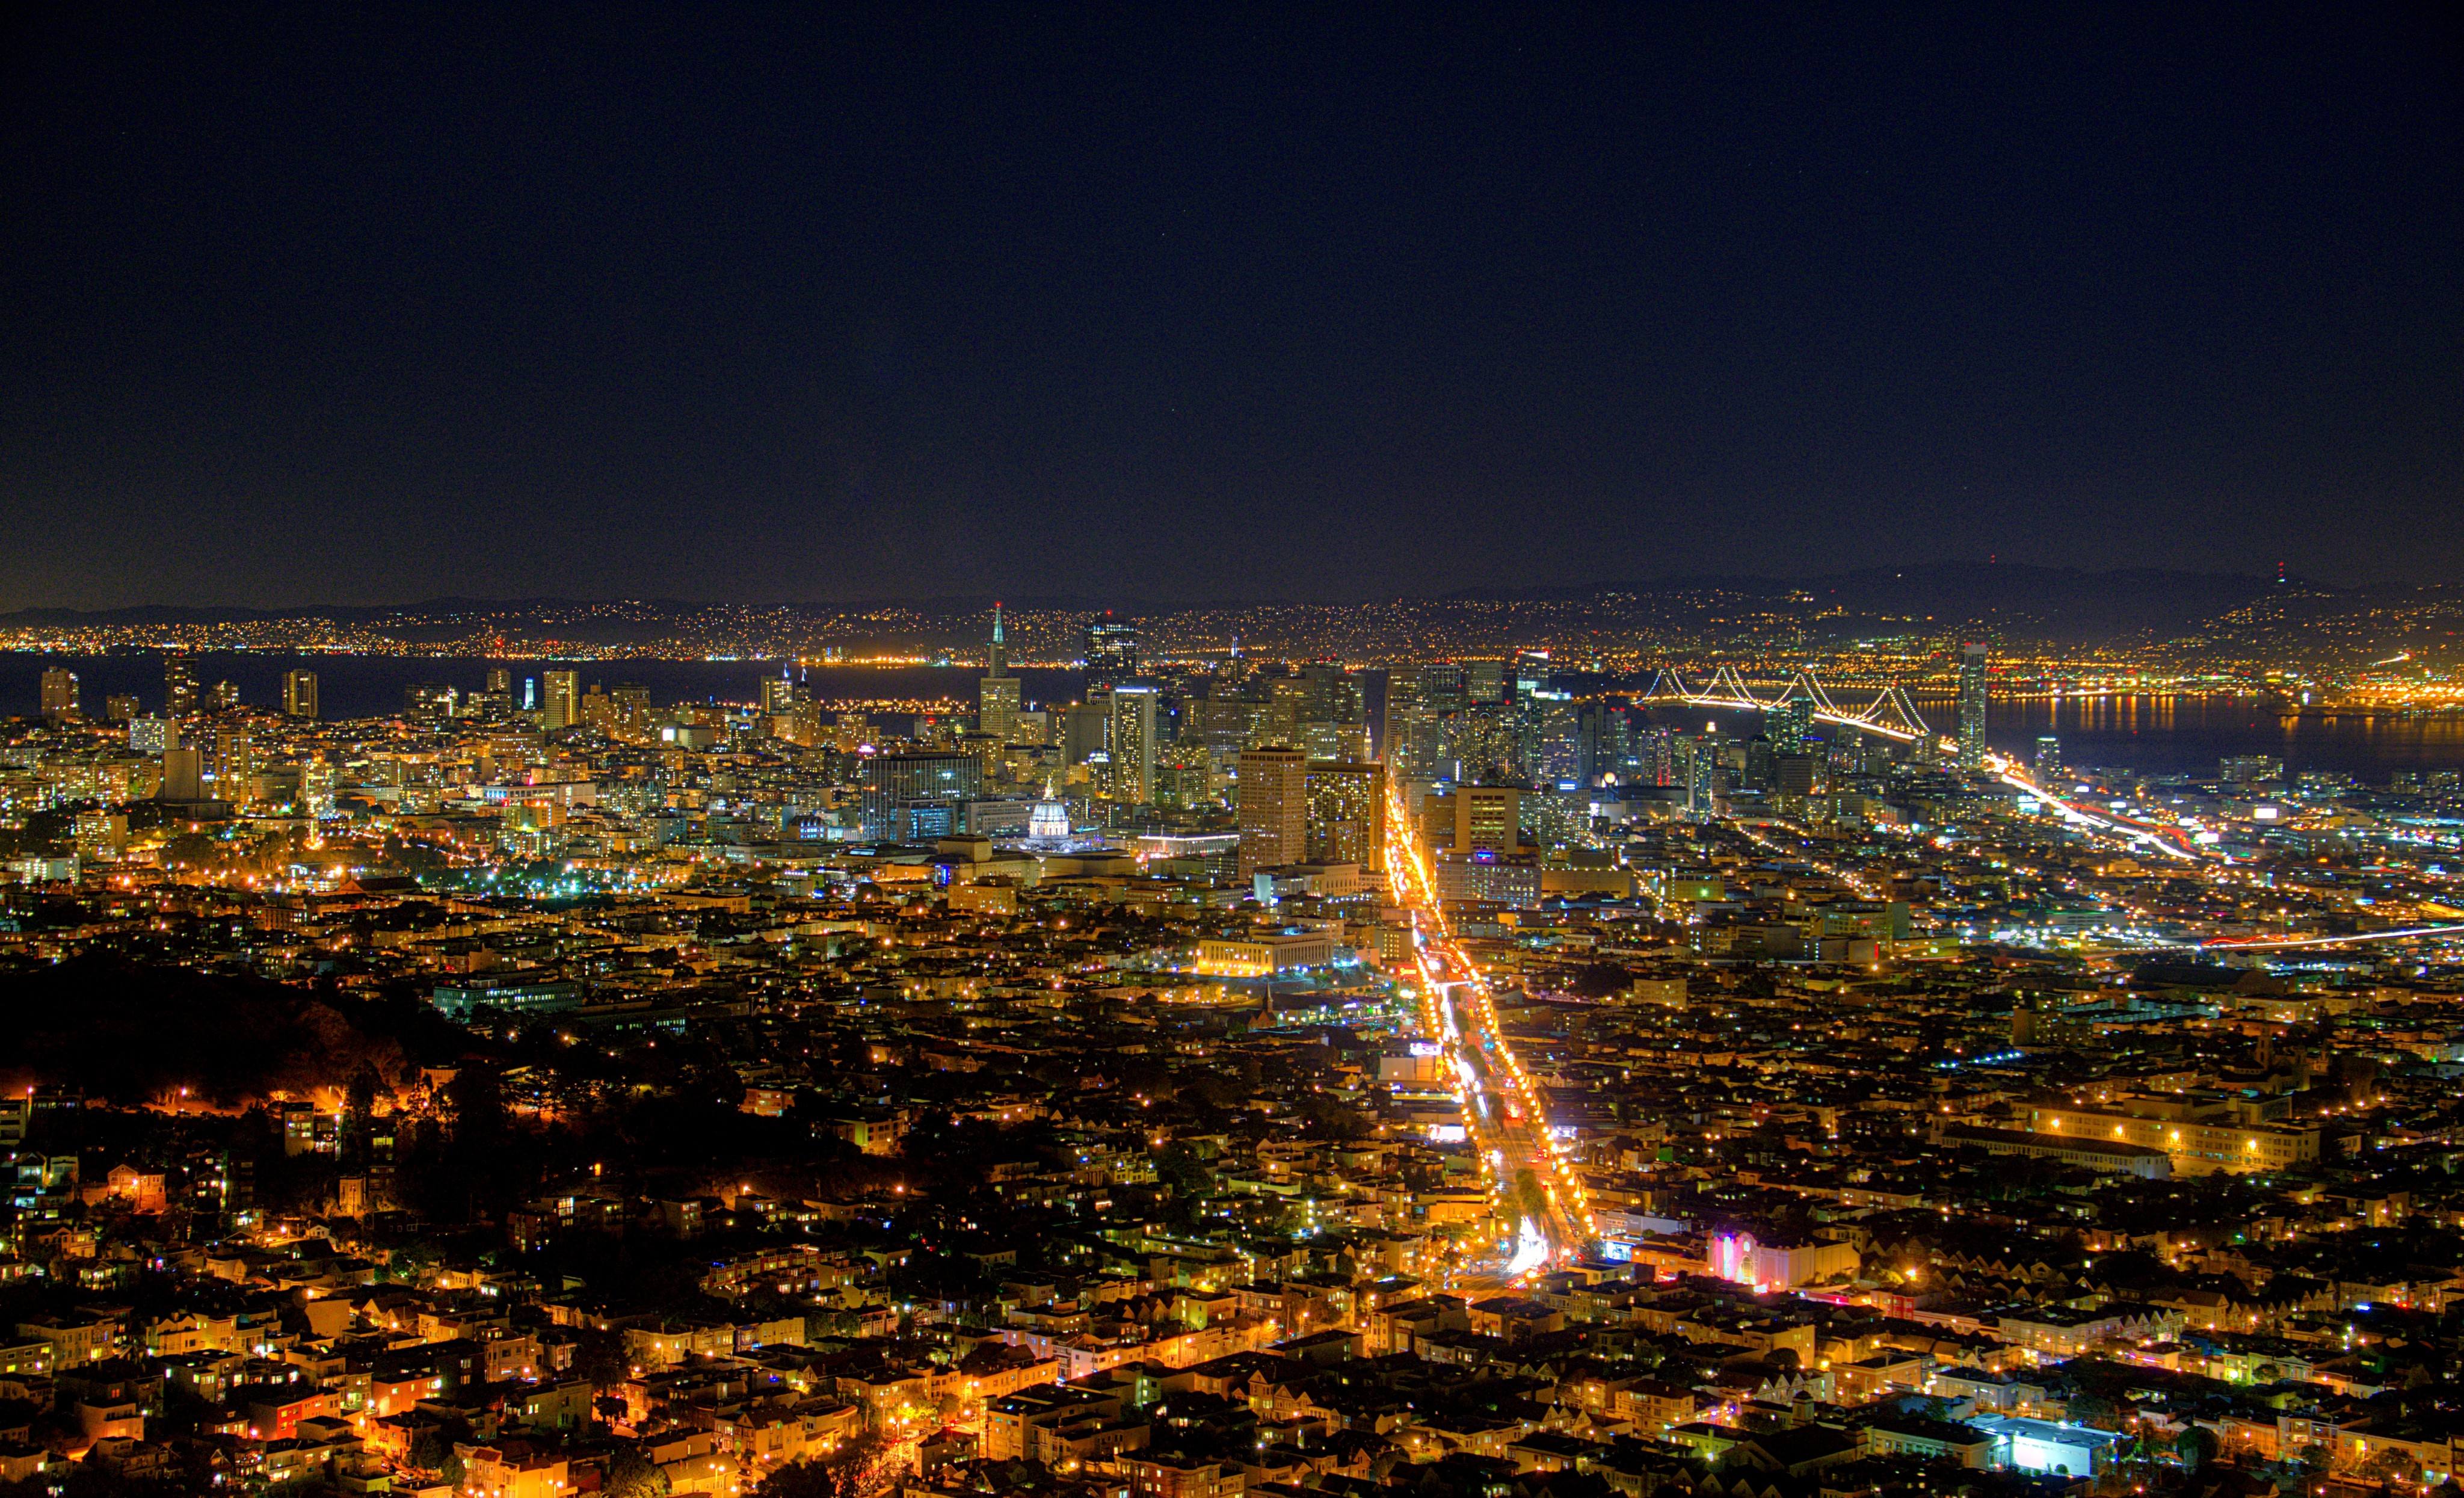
{"points": [[59, 693], [562, 708], [917, 794], [1972, 662], [1789, 725], [1274, 808], [997, 693], [178, 687], [299, 694], [777, 696], [1133, 744], [1111, 651], [2049, 761], [1347, 813]]}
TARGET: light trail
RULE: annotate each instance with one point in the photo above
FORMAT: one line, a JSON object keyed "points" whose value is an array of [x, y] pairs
{"points": [[1501, 1105]]}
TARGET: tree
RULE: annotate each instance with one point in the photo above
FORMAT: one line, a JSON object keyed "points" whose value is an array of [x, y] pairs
{"points": [[862, 1468], [2195, 1448], [629, 1475]]}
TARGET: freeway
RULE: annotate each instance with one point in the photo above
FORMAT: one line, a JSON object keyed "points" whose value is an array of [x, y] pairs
{"points": [[1502, 1117]]}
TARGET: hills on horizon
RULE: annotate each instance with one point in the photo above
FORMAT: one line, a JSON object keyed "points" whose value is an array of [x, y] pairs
{"points": [[1930, 588]]}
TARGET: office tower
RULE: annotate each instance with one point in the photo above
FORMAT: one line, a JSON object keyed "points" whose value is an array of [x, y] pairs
{"points": [[1489, 819], [919, 795], [1699, 767], [500, 680], [1111, 651], [1797, 775], [1274, 808], [179, 689], [997, 693], [1406, 709], [1531, 672], [233, 761], [777, 696], [299, 694], [1087, 728], [184, 774], [1347, 813], [121, 707], [2249, 769], [428, 701], [59, 693], [2049, 761], [562, 708], [1133, 744], [1789, 725], [152, 736], [1484, 681], [1972, 661], [223, 697]]}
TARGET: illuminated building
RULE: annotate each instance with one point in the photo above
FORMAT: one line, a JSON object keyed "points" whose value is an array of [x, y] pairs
{"points": [[562, 708], [1789, 725], [1347, 813], [500, 680], [997, 693], [1274, 808], [299, 694], [777, 696], [59, 693], [121, 707], [1972, 663], [152, 736], [1133, 744], [920, 794], [2049, 759], [1111, 651], [179, 689], [183, 775]]}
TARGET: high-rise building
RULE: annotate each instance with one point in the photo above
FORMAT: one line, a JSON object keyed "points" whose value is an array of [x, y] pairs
{"points": [[232, 762], [184, 774], [562, 708], [1489, 819], [777, 696], [918, 795], [997, 693], [1406, 709], [1111, 651], [2049, 761], [179, 689], [1347, 813], [1699, 765], [1789, 725], [500, 680], [1274, 808], [1972, 662], [152, 736], [2249, 769], [121, 707], [299, 694], [1133, 744], [59, 693], [428, 701]]}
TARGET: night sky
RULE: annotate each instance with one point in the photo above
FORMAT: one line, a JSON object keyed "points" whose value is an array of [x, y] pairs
{"points": [[356, 305]]}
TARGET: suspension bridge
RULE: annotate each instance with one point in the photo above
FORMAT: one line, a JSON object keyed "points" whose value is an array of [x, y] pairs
{"points": [[1891, 714]]}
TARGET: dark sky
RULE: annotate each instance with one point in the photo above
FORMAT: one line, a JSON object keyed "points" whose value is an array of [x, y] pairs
{"points": [[346, 304]]}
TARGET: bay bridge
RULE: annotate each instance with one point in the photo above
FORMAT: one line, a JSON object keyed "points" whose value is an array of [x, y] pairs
{"points": [[1892, 713]]}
